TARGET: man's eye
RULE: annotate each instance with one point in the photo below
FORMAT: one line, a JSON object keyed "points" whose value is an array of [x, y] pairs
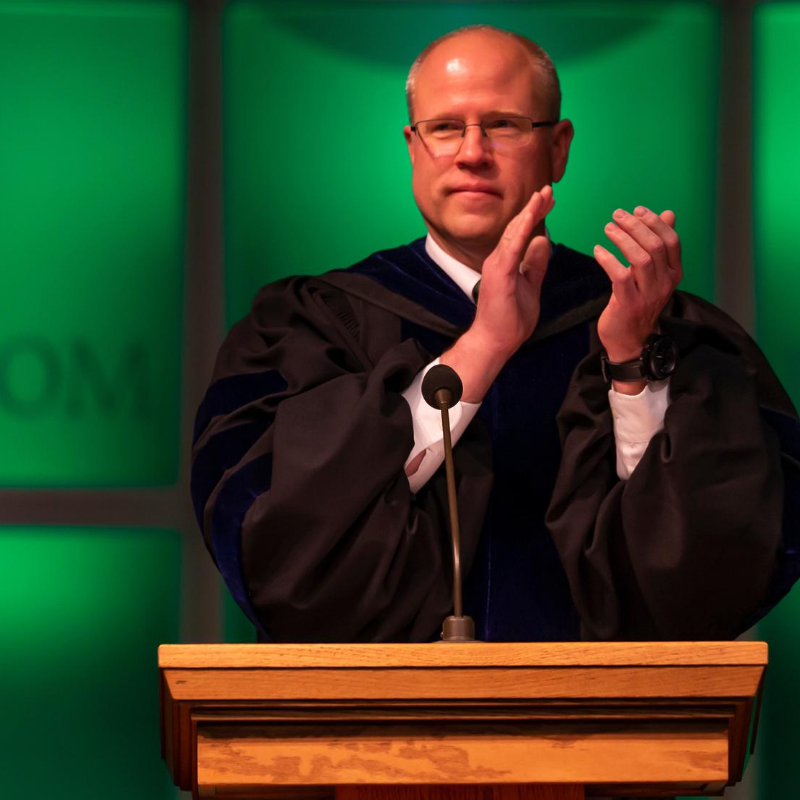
{"points": [[501, 123], [445, 126]]}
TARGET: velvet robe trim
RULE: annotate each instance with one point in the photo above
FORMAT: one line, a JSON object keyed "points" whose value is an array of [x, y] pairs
{"points": [[435, 301]]}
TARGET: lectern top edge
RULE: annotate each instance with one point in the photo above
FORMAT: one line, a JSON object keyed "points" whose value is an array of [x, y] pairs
{"points": [[474, 655]]}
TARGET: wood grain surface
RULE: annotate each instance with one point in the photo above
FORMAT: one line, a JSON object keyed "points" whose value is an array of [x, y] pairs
{"points": [[481, 654], [386, 684], [511, 792], [460, 754], [291, 721]]}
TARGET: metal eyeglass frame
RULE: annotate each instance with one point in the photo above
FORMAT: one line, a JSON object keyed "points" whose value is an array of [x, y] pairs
{"points": [[481, 124]]}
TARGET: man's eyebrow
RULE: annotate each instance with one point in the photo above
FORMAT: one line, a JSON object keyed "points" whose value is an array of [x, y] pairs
{"points": [[453, 115]]}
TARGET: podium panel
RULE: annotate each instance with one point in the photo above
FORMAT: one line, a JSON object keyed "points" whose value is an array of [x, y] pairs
{"points": [[279, 721]]}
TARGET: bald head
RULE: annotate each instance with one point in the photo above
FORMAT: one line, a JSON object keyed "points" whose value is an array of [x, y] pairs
{"points": [[483, 77], [477, 40]]}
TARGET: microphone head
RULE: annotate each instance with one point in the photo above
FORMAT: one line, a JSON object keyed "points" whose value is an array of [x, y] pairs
{"points": [[441, 377]]}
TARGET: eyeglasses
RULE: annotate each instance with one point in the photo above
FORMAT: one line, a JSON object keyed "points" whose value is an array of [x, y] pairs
{"points": [[443, 137]]}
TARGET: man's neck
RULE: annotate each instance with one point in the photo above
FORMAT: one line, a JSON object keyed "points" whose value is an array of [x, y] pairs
{"points": [[473, 257]]}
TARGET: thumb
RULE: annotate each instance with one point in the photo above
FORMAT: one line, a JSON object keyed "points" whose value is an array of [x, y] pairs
{"points": [[534, 263]]}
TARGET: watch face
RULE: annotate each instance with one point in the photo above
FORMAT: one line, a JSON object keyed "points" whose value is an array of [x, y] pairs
{"points": [[663, 357]]}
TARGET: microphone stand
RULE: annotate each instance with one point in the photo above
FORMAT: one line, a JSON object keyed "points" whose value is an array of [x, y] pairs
{"points": [[444, 385]]}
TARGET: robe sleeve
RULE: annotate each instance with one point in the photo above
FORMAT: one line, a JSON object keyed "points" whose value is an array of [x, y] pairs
{"points": [[298, 474], [703, 537]]}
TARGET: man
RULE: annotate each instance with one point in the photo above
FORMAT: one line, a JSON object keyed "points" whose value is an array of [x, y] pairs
{"points": [[317, 478]]}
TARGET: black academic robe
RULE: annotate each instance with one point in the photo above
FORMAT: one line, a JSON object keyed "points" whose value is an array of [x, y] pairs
{"points": [[299, 487]]}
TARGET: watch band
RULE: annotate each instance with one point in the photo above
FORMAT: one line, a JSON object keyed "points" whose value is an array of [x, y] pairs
{"points": [[625, 371], [657, 362]]}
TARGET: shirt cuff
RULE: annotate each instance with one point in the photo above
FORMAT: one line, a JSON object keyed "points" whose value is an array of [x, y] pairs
{"points": [[428, 435], [637, 418]]}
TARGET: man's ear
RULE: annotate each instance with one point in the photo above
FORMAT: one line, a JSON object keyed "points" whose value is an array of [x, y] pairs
{"points": [[560, 140], [409, 134]]}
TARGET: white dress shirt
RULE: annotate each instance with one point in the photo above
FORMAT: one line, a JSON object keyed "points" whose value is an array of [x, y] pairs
{"points": [[637, 418]]}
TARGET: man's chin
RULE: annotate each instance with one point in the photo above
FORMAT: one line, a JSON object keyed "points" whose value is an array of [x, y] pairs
{"points": [[475, 227], [476, 231]]}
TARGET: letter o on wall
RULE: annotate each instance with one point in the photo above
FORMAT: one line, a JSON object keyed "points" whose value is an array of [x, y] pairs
{"points": [[30, 376]]}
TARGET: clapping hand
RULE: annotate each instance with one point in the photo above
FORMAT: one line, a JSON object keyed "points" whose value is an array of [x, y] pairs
{"points": [[639, 292], [509, 300], [511, 279]]}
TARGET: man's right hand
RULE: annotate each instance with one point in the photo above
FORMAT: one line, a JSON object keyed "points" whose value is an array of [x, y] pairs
{"points": [[508, 303]]}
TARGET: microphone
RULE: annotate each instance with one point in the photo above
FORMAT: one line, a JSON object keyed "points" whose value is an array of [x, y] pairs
{"points": [[441, 384], [442, 389]]}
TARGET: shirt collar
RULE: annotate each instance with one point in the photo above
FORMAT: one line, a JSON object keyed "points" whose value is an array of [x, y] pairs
{"points": [[463, 276]]}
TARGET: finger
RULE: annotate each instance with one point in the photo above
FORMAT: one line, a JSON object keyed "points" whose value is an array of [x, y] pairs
{"points": [[534, 262], [540, 204], [662, 226], [622, 279], [640, 260], [516, 238], [654, 266], [517, 227], [650, 263], [546, 193], [518, 233], [613, 268], [550, 200]]}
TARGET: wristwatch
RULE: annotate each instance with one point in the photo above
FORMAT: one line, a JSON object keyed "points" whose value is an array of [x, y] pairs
{"points": [[657, 362]]}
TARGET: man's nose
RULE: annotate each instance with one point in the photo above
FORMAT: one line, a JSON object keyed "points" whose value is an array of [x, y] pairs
{"points": [[475, 146]]}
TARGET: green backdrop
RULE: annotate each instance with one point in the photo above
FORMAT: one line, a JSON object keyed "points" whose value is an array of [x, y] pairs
{"points": [[316, 168], [83, 613], [92, 151], [777, 287], [92, 158], [93, 144]]}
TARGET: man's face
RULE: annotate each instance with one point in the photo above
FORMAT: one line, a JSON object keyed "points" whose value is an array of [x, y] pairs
{"points": [[467, 199]]}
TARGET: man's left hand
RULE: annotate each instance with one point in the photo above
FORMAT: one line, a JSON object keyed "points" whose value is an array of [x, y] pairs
{"points": [[639, 292]]}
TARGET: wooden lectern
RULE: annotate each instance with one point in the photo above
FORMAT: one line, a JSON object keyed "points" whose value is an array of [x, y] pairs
{"points": [[545, 721]]}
